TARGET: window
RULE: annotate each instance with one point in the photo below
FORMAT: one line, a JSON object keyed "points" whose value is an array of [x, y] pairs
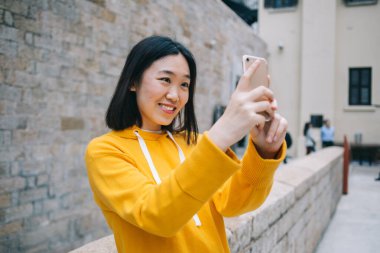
{"points": [[360, 86], [280, 3], [359, 2]]}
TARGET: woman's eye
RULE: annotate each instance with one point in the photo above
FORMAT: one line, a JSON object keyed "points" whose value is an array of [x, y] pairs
{"points": [[165, 79], [186, 85]]}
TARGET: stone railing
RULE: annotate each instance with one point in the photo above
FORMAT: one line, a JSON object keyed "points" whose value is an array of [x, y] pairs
{"points": [[304, 196]]}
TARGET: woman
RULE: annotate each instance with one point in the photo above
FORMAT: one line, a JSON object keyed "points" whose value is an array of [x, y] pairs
{"points": [[161, 186], [309, 141]]}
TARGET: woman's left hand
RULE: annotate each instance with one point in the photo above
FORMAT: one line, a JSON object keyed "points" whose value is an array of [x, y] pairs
{"points": [[269, 137]]}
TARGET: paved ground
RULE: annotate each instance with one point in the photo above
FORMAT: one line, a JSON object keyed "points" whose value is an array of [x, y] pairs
{"points": [[355, 227]]}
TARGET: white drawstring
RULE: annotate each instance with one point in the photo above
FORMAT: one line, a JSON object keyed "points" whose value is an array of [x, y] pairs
{"points": [[153, 169]]}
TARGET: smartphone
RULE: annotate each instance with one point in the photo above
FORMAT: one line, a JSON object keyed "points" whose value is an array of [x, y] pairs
{"points": [[260, 78]]}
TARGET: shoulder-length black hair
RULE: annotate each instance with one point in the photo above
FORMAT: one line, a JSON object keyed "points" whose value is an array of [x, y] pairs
{"points": [[123, 111]]}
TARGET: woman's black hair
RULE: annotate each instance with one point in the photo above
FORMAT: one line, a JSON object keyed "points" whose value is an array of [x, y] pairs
{"points": [[123, 111]]}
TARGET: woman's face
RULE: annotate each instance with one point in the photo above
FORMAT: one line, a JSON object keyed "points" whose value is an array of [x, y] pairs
{"points": [[163, 91]]}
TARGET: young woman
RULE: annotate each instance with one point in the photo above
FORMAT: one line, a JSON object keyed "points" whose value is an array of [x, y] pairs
{"points": [[160, 185]]}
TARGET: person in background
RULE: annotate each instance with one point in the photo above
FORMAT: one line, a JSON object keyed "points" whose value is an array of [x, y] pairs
{"points": [[309, 140], [289, 142], [161, 186], [327, 134]]}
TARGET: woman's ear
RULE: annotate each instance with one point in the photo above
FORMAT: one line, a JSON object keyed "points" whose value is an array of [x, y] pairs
{"points": [[132, 88]]}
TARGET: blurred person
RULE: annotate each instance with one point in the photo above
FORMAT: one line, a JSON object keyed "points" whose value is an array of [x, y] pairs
{"points": [[327, 134], [309, 140], [289, 142]]}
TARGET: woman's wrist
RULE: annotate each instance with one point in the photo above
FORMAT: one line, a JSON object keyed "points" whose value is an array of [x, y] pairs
{"points": [[267, 154], [220, 136]]}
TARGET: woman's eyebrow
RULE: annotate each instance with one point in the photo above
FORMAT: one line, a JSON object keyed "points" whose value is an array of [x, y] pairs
{"points": [[169, 72]]}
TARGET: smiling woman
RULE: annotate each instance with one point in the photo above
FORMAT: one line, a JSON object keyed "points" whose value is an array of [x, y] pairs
{"points": [[160, 185]]}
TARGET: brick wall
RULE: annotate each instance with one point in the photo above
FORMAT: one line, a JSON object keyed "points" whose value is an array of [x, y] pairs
{"points": [[59, 64]]}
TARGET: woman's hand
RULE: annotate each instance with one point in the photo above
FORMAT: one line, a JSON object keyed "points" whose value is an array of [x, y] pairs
{"points": [[269, 137], [243, 112]]}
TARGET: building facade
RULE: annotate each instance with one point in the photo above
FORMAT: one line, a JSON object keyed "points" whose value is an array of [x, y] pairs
{"points": [[324, 60]]}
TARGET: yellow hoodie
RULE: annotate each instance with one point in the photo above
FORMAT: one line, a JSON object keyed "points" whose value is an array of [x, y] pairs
{"points": [[149, 217]]}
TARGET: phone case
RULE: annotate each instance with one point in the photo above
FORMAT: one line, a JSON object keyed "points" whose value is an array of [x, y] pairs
{"points": [[260, 77]]}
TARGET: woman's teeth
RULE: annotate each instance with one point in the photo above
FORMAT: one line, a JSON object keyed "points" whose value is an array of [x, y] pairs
{"points": [[169, 108]]}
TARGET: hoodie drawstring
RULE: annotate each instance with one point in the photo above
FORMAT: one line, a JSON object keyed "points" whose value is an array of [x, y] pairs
{"points": [[153, 169]]}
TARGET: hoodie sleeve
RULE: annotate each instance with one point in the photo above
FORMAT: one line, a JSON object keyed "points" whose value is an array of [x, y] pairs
{"points": [[248, 188]]}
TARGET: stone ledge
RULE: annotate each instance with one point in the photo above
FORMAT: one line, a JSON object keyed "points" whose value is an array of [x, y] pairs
{"points": [[305, 194]]}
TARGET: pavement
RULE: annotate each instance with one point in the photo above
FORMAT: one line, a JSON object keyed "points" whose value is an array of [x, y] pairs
{"points": [[355, 226]]}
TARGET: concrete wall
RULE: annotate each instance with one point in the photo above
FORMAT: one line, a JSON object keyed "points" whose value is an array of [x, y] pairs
{"points": [[59, 64], [292, 219]]}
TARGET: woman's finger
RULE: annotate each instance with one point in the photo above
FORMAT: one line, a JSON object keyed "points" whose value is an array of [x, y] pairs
{"points": [[261, 93], [245, 79], [258, 125], [273, 128], [281, 130]]}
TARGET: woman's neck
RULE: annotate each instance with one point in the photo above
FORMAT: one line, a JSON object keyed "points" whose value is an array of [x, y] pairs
{"points": [[152, 131]]}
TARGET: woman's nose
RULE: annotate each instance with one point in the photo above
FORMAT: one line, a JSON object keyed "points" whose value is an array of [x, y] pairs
{"points": [[172, 94]]}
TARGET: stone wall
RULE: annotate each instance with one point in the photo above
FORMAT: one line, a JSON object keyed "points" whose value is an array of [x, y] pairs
{"points": [[292, 219], [59, 64]]}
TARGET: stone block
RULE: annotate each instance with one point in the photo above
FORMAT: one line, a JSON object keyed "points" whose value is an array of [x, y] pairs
{"points": [[8, 33], [72, 123], [11, 184], [281, 246], [50, 205], [30, 181], [241, 230], [102, 245], [41, 247], [5, 169], [34, 194], [10, 93], [29, 38], [25, 137], [50, 70], [26, 80], [5, 200], [32, 168], [42, 180], [17, 212], [54, 231], [5, 137], [269, 239], [13, 122], [11, 227], [299, 177], [35, 221], [8, 48]]}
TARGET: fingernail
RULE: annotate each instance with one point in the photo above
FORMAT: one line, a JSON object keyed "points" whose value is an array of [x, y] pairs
{"points": [[269, 139]]}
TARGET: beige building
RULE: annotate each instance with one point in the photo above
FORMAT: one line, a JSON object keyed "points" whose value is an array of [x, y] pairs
{"points": [[325, 60]]}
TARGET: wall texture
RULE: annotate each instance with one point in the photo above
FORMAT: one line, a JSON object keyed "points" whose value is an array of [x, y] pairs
{"points": [[59, 64], [292, 219]]}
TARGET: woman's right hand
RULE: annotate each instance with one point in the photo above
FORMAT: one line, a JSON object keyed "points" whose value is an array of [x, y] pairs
{"points": [[242, 112]]}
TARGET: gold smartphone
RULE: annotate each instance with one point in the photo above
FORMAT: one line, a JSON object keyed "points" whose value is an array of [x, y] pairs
{"points": [[260, 77]]}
